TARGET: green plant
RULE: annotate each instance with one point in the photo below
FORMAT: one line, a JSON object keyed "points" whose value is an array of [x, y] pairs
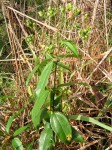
{"points": [[84, 34], [30, 39], [70, 99], [69, 6], [77, 11], [51, 12], [48, 111], [42, 14]]}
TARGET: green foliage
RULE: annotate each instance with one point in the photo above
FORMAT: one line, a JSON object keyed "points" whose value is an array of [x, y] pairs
{"points": [[31, 74], [47, 111], [17, 144], [30, 24], [92, 120], [43, 112], [72, 47], [84, 34], [59, 123], [46, 138], [44, 78], [61, 127], [20, 130], [69, 6], [9, 123], [76, 136], [62, 9], [51, 12], [49, 48], [66, 67], [42, 14], [37, 109], [48, 101], [30, 39], [77, 11]]}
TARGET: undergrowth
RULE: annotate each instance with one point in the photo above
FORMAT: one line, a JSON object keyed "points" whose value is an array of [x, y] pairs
{"points": [[56, 83]]}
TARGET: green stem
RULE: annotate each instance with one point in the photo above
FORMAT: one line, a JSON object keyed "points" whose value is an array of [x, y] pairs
{"points": [[54, 89]]}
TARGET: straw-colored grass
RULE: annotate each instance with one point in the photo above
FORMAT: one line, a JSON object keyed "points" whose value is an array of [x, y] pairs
{"points": [[31, 34]]}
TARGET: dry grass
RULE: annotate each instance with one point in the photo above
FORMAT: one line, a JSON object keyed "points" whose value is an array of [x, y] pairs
{"points": [[95, 67]]}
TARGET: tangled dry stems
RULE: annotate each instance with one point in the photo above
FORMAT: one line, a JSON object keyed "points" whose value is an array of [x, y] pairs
{"points": [[94, 68]]}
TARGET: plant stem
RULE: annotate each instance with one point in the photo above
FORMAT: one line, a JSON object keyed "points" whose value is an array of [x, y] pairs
{"points": [[54, 89]]}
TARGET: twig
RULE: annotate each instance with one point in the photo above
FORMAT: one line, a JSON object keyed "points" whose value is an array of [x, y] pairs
{"points": [[98, 65], [39, 22]]}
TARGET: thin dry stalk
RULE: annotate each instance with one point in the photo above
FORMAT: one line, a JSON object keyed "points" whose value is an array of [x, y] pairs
{"points": [[94, 12], [106, 55], [105, 20], [90, 144], [38, 22]]}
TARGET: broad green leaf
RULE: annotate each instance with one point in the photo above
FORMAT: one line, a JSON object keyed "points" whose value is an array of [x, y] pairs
{"points": [[72, 47], [31, 74], [46, 139], [20, 130], [92, 120], [77, 137], [37, 119], [44, 78], [38, 66], [42, 65], [44, 113], [61, 127], [36, 111], [9, 123], [17, 144]]}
